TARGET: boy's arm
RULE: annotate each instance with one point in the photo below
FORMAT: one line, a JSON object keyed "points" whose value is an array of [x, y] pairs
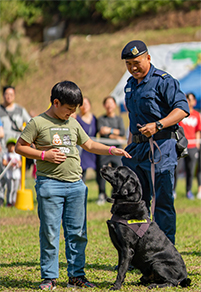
{"points": [[101, 149], [52, 155]]}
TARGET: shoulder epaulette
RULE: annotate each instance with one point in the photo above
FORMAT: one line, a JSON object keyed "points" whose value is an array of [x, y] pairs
{"points": [[161, 73]]}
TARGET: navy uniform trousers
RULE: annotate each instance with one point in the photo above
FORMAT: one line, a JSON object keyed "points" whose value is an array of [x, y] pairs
{"points": [[165, 215]]}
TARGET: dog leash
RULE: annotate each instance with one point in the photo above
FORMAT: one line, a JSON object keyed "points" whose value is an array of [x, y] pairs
{"points": [[151, 159]]}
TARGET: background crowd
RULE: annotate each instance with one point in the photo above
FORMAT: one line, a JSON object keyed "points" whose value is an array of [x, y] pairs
{"points": [[108, 128]]}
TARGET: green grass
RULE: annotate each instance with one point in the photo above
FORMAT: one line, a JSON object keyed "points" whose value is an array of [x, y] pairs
{"points": [[20, 269]]}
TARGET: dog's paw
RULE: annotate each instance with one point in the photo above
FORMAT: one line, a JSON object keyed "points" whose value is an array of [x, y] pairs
{"points": [[185, 283], [154, 285]]}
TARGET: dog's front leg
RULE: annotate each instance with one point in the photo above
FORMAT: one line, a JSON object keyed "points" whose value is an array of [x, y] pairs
{"points": [[125, 257]]}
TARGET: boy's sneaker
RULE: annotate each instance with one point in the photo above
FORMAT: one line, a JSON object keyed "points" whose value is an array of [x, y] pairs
{"points": [[79, 282], [199, 195], [48, 284], [190, 195]]}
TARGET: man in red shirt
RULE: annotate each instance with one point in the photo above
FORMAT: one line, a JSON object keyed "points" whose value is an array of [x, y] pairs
{"points": [[192, 128]]}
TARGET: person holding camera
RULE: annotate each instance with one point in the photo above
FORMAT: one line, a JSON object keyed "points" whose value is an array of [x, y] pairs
{"points": [[155, 105]]}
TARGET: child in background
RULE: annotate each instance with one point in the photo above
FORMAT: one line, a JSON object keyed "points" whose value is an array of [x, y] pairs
{"points": [[13, 173], [61, 192]]}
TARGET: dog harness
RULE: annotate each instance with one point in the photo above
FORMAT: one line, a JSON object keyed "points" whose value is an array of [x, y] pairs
{"points": [[138, 226]]}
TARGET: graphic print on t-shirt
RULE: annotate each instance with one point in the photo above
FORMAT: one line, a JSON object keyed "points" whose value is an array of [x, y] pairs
{"points": [[56, 139], [61, 139]]}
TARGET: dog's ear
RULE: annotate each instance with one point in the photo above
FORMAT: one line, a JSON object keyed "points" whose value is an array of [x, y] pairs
{"points": [[132, 187]]}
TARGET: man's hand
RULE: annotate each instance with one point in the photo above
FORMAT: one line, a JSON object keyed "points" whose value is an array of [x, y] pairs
{"points": [[148, 130]]}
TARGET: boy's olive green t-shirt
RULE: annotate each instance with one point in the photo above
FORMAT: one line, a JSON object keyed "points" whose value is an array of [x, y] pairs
{"points": [[46, 133]]}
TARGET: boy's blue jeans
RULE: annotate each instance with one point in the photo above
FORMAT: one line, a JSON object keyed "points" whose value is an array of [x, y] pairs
{"points": [[61, 201]]}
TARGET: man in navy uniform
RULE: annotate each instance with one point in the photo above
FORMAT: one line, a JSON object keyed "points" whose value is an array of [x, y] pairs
{"points": [[154, 100]]}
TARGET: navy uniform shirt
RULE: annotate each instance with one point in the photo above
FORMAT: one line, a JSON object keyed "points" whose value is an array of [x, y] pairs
{"points": [[153, 98]]}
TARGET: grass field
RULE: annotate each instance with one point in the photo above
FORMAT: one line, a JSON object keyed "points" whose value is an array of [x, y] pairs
{"points": [[20, 269]]}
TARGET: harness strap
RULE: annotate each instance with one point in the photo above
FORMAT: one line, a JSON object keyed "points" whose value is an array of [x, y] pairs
{"points": [[151, 153], [138, 226]]}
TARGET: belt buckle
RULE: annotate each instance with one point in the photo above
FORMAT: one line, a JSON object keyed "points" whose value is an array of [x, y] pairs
{"points": [[137, 139]]}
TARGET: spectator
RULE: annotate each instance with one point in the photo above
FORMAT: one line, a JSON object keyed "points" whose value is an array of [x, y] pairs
{"points": [[89, 123], [110, 126], [12, 115], [155, 104], [192, 128], [13, 173], [61, 194], [2, 180]]}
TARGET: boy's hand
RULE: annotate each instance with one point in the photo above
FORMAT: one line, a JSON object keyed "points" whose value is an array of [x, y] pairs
{"points": [[120, 152], [54, 156]]}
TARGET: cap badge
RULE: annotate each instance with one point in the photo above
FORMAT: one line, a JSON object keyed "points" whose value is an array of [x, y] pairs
{"points": [[134, 51]]}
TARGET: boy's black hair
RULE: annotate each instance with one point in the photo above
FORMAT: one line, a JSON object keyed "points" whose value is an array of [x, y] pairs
{"points": [[67, 92], [6, 87]]}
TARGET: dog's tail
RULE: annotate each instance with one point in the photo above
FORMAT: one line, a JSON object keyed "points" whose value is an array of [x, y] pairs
{"points": [[185, 283]]}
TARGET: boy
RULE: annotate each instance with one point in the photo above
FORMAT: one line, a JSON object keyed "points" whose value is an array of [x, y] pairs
{"points": [[61, 193]]}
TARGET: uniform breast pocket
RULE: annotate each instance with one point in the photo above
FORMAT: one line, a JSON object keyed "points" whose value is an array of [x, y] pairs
{"points": [[128, 100], [148, 102]]}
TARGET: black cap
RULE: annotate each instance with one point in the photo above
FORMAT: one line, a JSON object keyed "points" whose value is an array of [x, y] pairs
{"points": [[133, 49]]}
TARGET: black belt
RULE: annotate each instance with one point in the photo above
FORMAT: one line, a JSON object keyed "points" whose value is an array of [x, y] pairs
{"points": [[139, 138]]}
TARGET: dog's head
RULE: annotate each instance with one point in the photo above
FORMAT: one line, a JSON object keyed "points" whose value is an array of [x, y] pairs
{"points": [[124, 181]]}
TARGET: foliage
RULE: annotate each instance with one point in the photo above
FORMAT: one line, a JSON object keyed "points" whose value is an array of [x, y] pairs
{"points": [[17, 70], [13, 15], [13, 9], [111, 10], [66, 10], [121, 10], [12, 64]]}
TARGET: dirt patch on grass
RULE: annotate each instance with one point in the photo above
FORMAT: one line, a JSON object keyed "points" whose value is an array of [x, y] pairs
{"points": [[91, 215], [189, 210], [16, 221]]}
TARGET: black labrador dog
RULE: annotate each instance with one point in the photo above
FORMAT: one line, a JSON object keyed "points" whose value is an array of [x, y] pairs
{"points": [[139, 241]]}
